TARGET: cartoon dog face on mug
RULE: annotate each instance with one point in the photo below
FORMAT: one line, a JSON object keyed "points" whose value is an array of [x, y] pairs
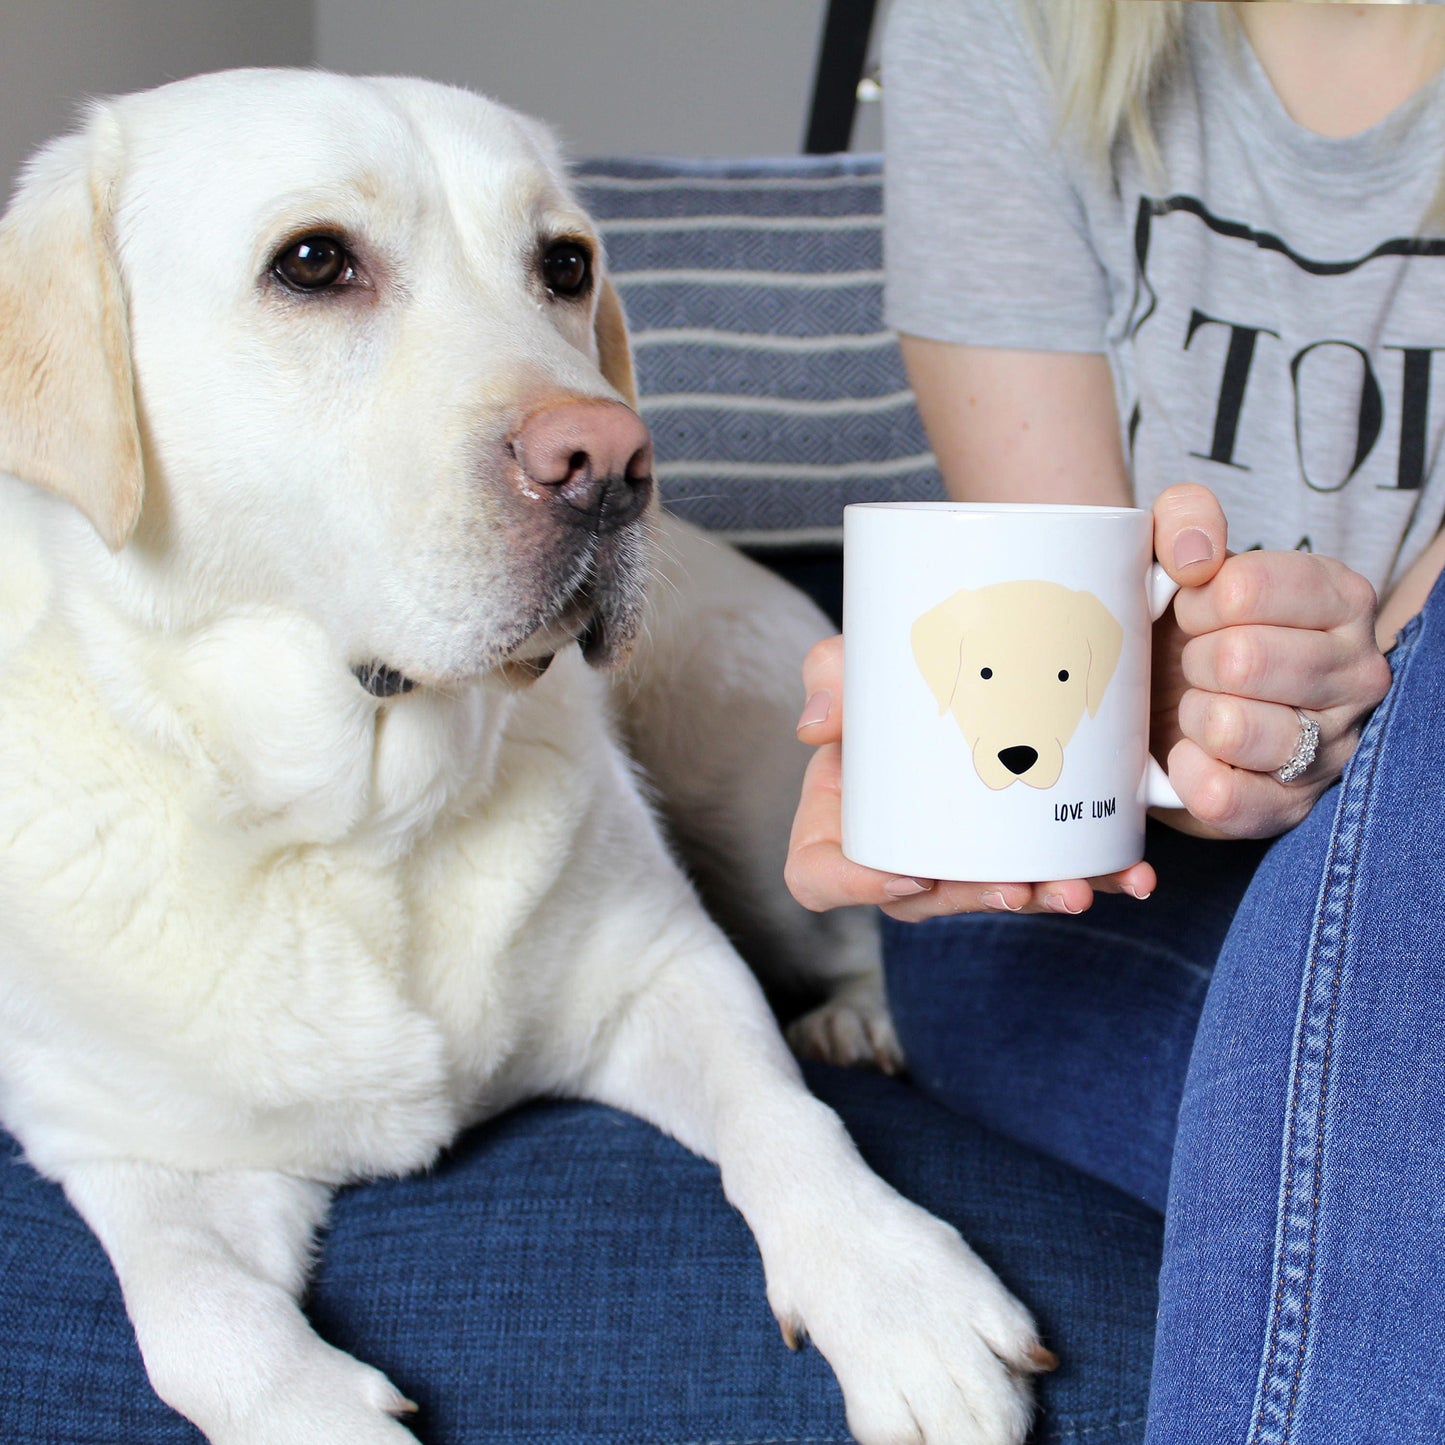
{"points": [[1016, 664]]}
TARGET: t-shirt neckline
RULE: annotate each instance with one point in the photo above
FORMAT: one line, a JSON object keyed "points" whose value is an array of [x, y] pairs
{"points": [[1410, 138]]}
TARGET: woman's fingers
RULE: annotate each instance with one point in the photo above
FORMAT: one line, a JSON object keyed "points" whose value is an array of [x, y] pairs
{"points": [[1259, 736], [948, 898], [1286, 628], [1139, 881], [1065, 896], [1071, 896], [821, 720], [1269, 634], [1235, 802], [1189, 534], [820, 877], [817, 873], [1278, 589], [1287, 665]]}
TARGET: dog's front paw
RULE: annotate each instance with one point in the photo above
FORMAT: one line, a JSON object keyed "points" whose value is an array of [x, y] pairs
{"points": [[329, 1398], [851, 1027], [928, 1346]]}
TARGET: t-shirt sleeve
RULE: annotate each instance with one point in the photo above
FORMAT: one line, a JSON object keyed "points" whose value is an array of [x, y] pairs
{"points": [[985, 234]]}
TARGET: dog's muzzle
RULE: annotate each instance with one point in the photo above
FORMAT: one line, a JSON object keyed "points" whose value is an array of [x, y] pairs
{"points": [[575, 485]]}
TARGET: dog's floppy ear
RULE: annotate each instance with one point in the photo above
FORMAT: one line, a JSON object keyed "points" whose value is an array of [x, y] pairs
{"points": [[937, 639], [67, 403], [1105, 638], [614, 355]]}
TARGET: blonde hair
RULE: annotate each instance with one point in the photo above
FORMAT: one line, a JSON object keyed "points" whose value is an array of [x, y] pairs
{"points": [[1105, 58]]}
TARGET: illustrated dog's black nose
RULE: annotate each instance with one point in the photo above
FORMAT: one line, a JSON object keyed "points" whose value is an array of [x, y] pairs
{"points": [[1018, 760]]}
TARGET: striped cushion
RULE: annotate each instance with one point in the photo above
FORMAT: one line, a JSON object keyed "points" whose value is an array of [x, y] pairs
{"points": [[754, 293]]}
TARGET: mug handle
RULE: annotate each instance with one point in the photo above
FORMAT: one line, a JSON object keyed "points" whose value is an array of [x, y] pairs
{"points": [[1158, 790]]}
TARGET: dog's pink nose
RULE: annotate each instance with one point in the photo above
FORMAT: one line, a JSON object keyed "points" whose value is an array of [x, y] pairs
{"points": [[592, 455]]}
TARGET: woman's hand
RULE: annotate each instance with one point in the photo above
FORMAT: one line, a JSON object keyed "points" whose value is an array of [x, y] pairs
{"points": [[1189, 533], [820, 877], [1249, 639], [1252, 638]]}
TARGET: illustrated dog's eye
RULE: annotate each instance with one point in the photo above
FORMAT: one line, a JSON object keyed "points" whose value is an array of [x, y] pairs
{"points": [[1064, 675], [314, 263], [986, 673], [567, 268]]}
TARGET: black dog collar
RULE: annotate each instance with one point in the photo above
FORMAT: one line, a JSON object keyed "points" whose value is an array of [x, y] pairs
{"points": [[382, 681]]}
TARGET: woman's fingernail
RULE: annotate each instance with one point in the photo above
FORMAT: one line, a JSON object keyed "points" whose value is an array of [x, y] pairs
{"points": [[994, 899], [816, 709], [905, 887], [1192, 545], [1057, 902], [1140, 893]]}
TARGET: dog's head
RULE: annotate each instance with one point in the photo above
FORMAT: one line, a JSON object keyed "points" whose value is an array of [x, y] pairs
{"points": [[343, 345], [1016, 664]]}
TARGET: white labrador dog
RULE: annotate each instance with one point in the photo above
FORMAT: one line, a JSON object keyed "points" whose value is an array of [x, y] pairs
{"points": [[311, 401]]}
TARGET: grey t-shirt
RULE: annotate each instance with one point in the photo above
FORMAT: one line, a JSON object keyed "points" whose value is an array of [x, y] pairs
{"points": [[1272, 312]]}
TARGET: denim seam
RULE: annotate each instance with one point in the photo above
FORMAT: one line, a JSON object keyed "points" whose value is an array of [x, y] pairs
{"points": [[1302, 1155]]}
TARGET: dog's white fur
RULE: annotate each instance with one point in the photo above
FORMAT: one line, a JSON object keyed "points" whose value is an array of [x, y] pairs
{"points": [[261, 932]]}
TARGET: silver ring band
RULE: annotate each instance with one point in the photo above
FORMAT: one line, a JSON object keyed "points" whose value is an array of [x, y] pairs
{"points": [[1306, 746]]}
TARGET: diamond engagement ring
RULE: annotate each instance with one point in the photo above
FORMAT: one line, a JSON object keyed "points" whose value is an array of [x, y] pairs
{"points": [[1305, 748]]}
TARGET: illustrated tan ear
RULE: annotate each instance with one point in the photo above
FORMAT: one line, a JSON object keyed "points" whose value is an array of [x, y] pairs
{"points": [[67, 402], [937, 639], [614, 355], [1105, 638]]}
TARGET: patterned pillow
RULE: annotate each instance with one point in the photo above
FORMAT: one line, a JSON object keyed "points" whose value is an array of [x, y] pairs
{"points": [[753, 291]]}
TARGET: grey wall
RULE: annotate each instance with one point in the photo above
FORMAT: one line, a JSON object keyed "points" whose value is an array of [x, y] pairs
{"points": [[615, 77], [55, 53]]}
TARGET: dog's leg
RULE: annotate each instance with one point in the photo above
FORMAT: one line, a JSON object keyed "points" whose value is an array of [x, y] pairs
{"points": [[212, 1267], [925, 1341], [710, 706]]}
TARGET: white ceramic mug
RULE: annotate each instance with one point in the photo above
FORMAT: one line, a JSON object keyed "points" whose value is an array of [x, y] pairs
{"points": [[996, 689]]}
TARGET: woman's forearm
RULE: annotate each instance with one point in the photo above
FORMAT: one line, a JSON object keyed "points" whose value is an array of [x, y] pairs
{"points": [[1409, 594], [1019, 426]]}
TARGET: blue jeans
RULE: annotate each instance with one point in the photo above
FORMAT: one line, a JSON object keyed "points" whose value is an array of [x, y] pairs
{"points": [[1262, 1044]]}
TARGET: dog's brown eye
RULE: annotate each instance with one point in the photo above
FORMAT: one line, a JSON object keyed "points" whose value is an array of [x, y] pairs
{"points": [[314, 263], [1064, 675], [986, 673], [567, 268]]}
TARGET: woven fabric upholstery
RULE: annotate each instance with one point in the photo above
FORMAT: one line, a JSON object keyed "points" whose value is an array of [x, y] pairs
{"points": [[753, 290], [570, 1276]]}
